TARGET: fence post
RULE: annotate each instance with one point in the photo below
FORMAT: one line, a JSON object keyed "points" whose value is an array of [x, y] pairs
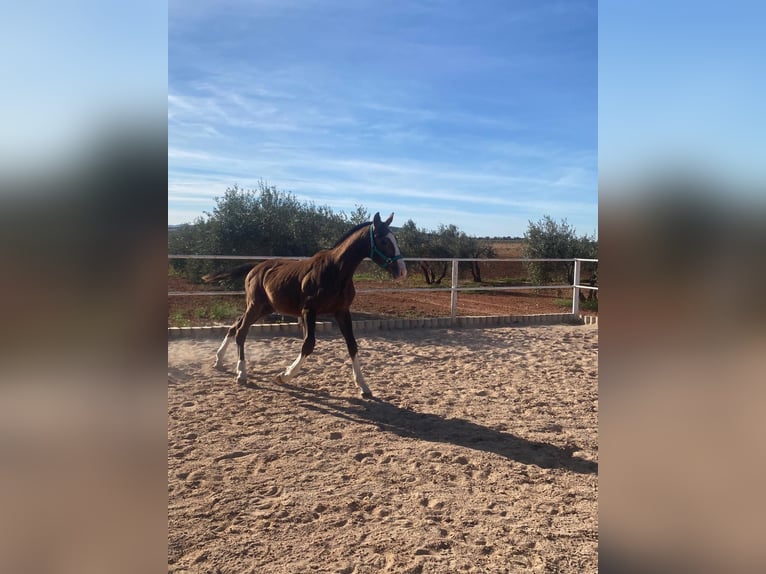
{"points": [[576, 289], [453, 293]]}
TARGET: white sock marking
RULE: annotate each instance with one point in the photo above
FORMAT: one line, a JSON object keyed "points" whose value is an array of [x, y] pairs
{"points": [[293, 369], [241, 371], [219, 353], [358, 377]]}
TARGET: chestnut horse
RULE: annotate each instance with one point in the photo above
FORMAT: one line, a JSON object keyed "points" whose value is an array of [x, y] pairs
{"points": [[306, 288]]}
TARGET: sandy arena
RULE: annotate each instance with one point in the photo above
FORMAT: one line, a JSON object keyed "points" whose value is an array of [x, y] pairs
{"points": [[478, 454]]}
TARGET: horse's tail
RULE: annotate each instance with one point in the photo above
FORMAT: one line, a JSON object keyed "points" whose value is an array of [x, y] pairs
{"points": [[239, 271]]}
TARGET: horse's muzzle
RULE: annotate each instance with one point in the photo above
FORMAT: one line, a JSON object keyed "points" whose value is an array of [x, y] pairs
{"points": [[399, 271]]}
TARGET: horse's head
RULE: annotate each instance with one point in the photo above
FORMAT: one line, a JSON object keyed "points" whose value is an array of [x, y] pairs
{"points": [[383, 247]]}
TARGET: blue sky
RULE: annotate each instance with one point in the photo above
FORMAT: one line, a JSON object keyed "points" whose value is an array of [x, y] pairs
{"points": [[682, 84], [482, 114], [72, 73]]}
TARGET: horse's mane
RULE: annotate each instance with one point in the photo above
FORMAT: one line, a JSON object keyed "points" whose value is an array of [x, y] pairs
{"points": [[351, 231]]}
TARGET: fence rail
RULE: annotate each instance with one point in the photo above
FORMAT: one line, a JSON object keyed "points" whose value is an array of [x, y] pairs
{"points": [[454, 287]]}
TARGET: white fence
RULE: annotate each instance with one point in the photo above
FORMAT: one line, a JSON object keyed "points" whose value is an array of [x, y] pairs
{"points": [[454, 287]]}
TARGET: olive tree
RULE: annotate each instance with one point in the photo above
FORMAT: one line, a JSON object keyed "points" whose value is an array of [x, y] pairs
{"points": [[549, 239]]}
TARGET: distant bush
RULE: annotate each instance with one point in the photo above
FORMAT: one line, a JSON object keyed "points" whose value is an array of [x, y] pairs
{"points": [[446, 242], [549, 239]]}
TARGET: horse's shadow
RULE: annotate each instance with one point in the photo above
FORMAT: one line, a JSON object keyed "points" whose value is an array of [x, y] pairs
{"points": [[437, 428]]}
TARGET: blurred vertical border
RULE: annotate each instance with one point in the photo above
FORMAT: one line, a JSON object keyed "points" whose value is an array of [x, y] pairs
{"points": [[682, 227], [83, 180]]}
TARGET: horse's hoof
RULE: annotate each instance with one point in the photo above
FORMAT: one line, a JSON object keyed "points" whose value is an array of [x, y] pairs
{"points": [[366, 395], [219, 366], [280, 380], [242, 380]]}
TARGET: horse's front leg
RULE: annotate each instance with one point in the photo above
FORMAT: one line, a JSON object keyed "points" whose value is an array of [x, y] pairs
{"points": [[309, 340], [346, 328]]}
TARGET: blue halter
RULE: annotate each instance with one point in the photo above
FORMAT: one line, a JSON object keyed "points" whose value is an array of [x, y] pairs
{"points": [[375, 251]]}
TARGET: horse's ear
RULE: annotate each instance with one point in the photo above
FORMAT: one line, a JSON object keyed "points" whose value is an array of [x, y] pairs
{"points": [[376, 219], [390, 219]]}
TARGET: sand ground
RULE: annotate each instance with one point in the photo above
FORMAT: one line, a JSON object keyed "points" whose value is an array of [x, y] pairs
{"points": [[478, 454]]}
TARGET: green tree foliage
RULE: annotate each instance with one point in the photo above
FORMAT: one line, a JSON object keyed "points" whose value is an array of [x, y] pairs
{"points": [[547, 238], [458, 244], [446, 242], [416, 242], [263, 221], [359, 215], [267, 221], [191, 239]]}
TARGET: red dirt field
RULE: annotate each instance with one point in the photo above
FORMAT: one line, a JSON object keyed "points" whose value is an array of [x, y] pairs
{"points": [[189, 310]]}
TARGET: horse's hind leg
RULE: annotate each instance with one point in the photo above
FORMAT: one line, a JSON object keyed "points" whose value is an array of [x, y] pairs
{"points": [[226, 340], [346, 328], [309, 340]]}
